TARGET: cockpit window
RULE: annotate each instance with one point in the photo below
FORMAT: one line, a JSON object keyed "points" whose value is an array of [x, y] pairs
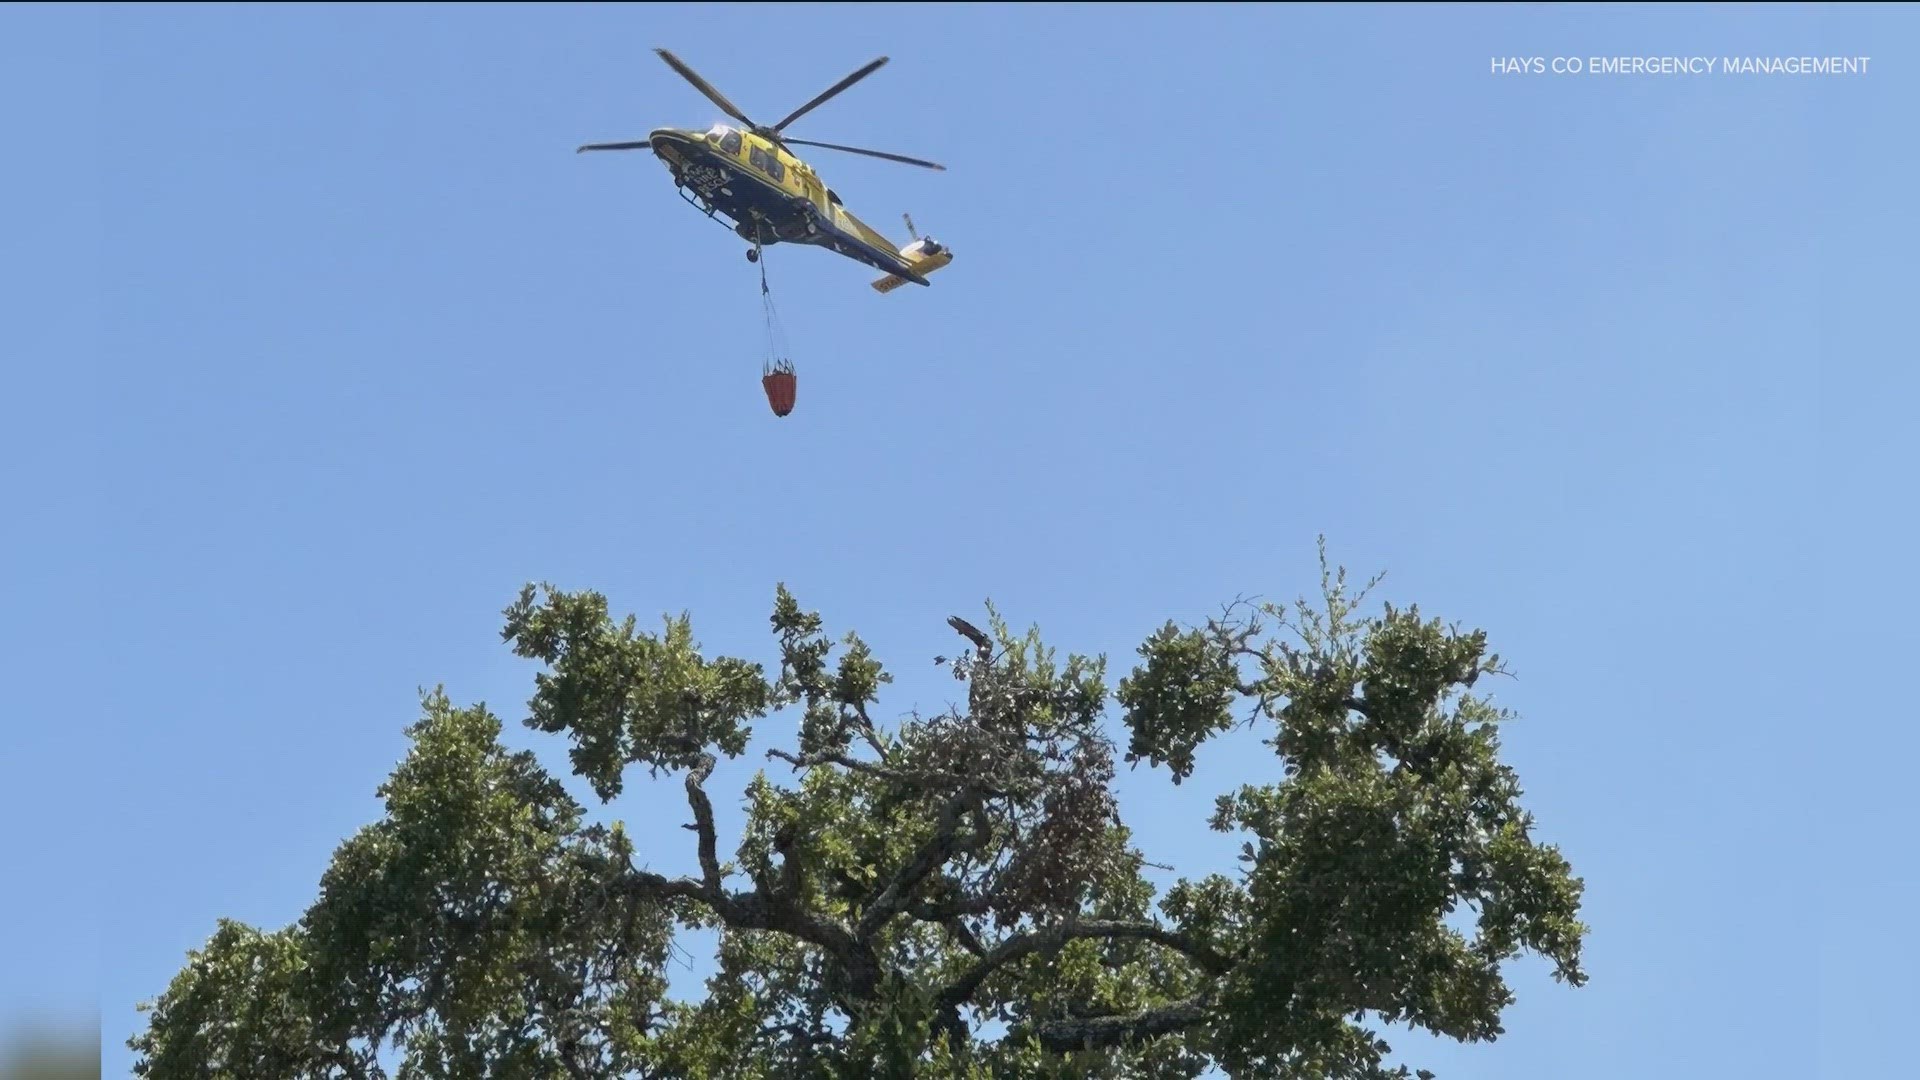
{"points": [[766, 163], [729, 141]]}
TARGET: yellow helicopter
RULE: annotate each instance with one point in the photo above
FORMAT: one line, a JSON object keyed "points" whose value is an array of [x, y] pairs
{"points": [[752, 177]]}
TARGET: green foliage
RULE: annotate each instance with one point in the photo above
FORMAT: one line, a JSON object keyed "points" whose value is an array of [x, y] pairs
{"points": [[627, 697], [836, 703], [951, 896], [234, 1013], [1182, 696]]}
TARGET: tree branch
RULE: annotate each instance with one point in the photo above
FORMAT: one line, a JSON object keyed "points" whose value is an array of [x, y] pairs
{"points": [[788, 885], [955, 908], [1101, 1032], [703, 822], [1052, 940], [807, 1039], [918, 780], [645, 885], [965, 936], [811, 761], [758, 910], [931, 856], [867, 731]]}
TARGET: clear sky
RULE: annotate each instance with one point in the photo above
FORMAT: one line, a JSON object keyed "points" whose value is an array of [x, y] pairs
{"points": [[323, 341]]}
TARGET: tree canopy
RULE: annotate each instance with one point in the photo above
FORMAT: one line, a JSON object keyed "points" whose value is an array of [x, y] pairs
{"points": [[946, 896]]}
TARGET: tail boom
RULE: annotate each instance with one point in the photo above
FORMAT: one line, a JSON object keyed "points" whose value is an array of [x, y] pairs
{"points": [[924, 255]]}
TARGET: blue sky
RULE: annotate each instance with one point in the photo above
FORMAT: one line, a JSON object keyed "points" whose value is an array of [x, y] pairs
{"points": [[325, 341]]}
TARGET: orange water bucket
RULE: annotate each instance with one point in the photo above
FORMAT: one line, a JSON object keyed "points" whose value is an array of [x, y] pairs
{"points": [[780, 387]]}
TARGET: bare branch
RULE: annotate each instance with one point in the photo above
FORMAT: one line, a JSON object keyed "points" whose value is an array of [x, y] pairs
{"points": [[703, 822]]}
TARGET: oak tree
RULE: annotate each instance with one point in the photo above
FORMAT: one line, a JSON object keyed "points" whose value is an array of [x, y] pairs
{"points": [[951, 895]]}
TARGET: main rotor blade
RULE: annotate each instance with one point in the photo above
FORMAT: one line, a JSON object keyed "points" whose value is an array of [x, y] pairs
{"points": [[614, 146], [869, 153], [829, 92], [704, 87]]}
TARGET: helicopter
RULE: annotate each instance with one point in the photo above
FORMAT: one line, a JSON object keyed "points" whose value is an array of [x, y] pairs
{"points": [[751, 176]]}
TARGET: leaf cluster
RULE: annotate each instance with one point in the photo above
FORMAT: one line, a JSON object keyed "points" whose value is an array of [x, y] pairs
{"points": [[953, 895]]}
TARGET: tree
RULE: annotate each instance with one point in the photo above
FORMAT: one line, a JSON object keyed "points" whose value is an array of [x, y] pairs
{"points": [[951, 896]]}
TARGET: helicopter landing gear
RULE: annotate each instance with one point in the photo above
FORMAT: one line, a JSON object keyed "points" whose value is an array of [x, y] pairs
{"points": [[753, 253]]}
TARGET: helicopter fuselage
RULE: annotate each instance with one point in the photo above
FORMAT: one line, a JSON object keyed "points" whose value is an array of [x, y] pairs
{"points": [[773, 197]]}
